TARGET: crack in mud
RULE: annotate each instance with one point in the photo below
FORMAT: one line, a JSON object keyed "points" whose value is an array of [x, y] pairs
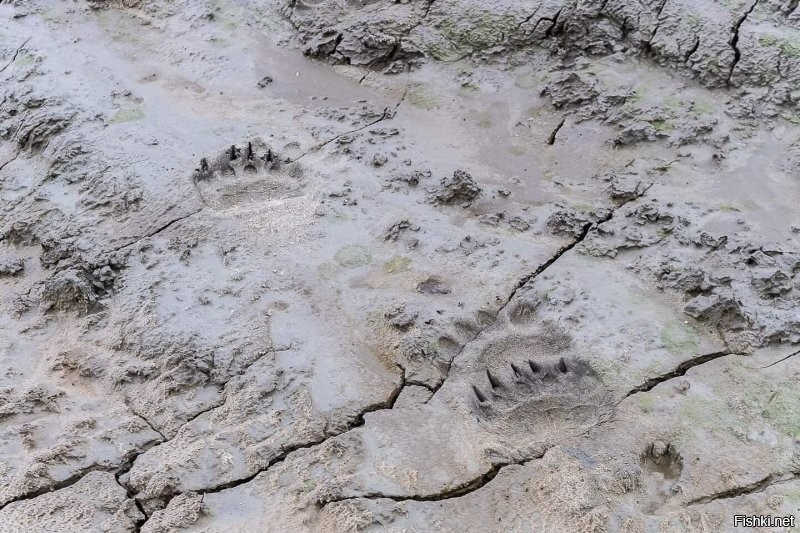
{"points": [[734, 41], [125, 464], [388, 113], [155, 232], [692, 50], [781, 359], [458, 491], [661, 8], [16, 53], [505, 40], [528, 18], [541, 268], [138, 524], [58, 485], [751, 488], [428, 9], [146, 421], [678, 371], [223, 386], [553, 21], [552, 138], [527, 278], [420, 384], [356, 422], [13, 158], [470, 486], [128, 463], [410, 29], [126, 467]]}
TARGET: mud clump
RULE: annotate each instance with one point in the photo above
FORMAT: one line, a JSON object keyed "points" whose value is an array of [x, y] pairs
{"points": [[571, 222], [719, 309], [626, 188], [398, 228], [400, 318], [461, 189], [585, 97], [409, 180], [433, 285], [77, 289], [11, 266]]}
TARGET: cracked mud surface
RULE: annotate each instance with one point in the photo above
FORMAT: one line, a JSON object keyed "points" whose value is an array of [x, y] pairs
{"points": [[436, 265]]}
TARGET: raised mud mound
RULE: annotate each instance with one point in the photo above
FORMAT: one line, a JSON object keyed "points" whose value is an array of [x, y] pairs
{"points": [[721, 44]]}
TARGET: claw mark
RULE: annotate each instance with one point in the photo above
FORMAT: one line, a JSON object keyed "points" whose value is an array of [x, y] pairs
{"points": [[493, 381], [478, 394]]}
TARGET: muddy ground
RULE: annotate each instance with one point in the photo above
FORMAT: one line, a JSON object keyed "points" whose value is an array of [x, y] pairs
{"points": [[435, 265]]}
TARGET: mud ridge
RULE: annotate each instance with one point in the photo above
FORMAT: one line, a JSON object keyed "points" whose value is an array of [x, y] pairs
{"points": [[678, 371]]}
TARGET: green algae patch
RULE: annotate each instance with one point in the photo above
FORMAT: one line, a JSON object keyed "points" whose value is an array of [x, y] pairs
{"points": [[326, 270], [397, 264], [126, 115], [647, 403], [679, 339], [783, 410], [422, 98], [353, 256]]}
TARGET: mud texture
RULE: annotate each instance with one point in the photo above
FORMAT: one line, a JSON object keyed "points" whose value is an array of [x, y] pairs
{"points": [[436, 265]]}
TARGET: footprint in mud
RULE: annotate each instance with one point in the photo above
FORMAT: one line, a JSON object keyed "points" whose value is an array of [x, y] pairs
{"points": [[662, 466], [247, 174], [534, 397], [433, 285]]}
